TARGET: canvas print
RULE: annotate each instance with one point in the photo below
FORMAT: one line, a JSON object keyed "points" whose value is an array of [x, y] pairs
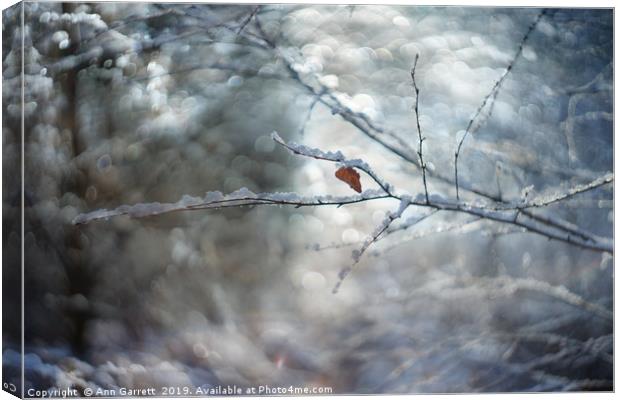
{"points": [[296, 199]]}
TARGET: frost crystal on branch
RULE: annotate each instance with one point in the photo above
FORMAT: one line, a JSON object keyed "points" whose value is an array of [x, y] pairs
{"points": [[373, 237], [549, 199], [335, 157], [214, 200], [308, 151]]}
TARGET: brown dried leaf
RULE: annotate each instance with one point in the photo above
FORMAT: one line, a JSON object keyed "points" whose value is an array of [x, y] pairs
{"points": [[350, 177]]}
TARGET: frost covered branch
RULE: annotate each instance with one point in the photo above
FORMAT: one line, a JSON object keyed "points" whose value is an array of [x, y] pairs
{"points": [[458, 227], [409, 223], [373, 238], [489, 100], [542, 201], [217, 200], [213, 200], [244, 197], [334, 157], [513, 217]]}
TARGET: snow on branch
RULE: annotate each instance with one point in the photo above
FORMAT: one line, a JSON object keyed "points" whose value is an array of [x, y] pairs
{"points": [[544, 226], [543, 201], [308, 151], [373, 238], [411, 222], [216, 200], [556, 197], [515, 217], [334, 157], [385, 224]]}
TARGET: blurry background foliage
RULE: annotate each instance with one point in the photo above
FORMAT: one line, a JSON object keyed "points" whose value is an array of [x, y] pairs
{"points": [[141, 102]]}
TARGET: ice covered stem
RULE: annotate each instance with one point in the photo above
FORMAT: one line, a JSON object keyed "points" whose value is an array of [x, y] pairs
{"points": [[405, 202]]}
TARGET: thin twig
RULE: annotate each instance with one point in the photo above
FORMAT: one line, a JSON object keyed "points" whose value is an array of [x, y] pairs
{"points": [[456, 227], [216, 200], [247, 20], [302, 128], [371, 239], [544, 201], [490, 98], [411, 222], [417, 120]]}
